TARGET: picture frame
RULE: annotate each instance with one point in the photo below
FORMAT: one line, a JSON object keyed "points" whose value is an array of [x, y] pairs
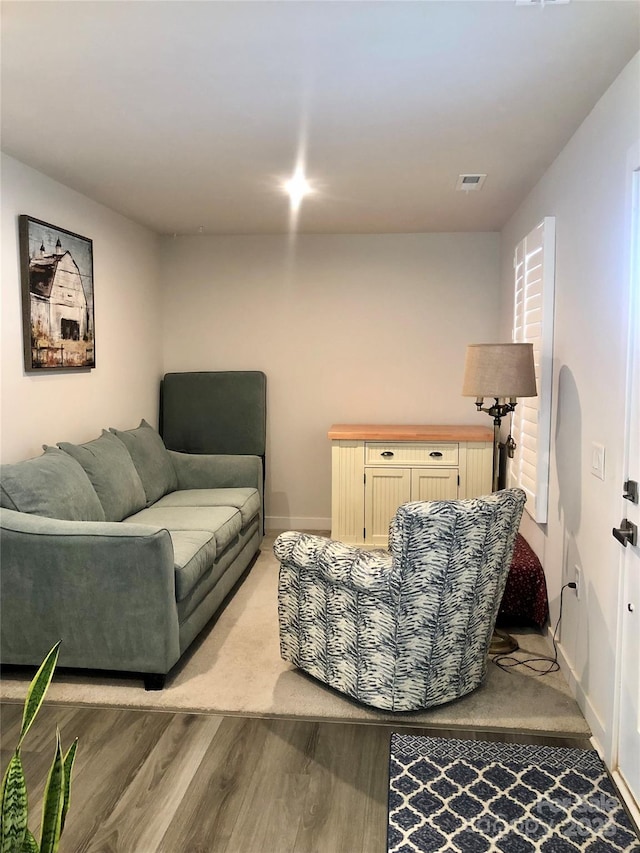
{"points": [[58, 317]]}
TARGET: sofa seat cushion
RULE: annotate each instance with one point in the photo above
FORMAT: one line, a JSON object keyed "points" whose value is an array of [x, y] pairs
{"points": [[52, 485], [247, 501], [151, 459], [194, 552], [224, 522], [113, 475]]}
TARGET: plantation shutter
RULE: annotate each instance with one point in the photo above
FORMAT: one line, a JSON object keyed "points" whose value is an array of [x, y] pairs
{"points": [[534, 265]]}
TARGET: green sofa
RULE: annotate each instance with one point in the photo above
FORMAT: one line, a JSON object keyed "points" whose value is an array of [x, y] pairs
{"points": [[122, 549]]}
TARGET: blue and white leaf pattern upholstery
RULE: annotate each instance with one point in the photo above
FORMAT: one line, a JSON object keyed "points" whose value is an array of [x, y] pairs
{"points": [[406, 628]]}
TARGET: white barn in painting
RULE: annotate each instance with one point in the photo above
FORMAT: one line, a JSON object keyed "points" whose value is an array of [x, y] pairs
{"points": [[58, 301]]}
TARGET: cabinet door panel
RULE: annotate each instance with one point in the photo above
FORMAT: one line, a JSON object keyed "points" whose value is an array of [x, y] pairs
{"points": [[434, 484], [385, 489]]}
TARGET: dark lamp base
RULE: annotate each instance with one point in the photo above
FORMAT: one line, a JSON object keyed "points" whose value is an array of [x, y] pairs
{"points": [[502, 643]]}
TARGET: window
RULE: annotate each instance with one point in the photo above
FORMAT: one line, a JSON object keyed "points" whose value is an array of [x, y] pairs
{"points": [[534, 265]]}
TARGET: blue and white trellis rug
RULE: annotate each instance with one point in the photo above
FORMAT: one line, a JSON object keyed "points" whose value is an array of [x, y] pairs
{"points": [[461, 796]]}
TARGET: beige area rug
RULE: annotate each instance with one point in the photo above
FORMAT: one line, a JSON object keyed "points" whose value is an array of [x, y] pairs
{"points": [[235, 668]]}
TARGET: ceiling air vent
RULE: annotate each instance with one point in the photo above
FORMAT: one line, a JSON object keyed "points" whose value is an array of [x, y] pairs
{"points": [[470, 182]]}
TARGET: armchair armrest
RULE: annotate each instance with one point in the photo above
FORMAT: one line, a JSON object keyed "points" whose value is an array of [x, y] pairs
{"points": [[339, 564]]}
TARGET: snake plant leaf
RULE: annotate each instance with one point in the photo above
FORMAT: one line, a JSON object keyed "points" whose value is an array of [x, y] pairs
{"points": [[37, 690], [29, 845], [53, 803], [14, 807], [68, 767], [2, 790]]}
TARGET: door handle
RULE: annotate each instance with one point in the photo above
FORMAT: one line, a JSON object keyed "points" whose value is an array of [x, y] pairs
{"points": [[627, 532]]}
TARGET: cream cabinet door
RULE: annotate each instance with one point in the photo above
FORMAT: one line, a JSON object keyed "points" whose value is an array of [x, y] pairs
{"points": [[384, 490], [434, 484]]}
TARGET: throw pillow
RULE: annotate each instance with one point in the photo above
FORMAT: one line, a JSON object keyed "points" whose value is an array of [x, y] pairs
{"points": [[111, 470], [53, 485], [151, 459]]}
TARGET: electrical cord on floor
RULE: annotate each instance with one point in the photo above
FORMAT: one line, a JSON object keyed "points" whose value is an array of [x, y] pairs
{"points": [[507, 662]]}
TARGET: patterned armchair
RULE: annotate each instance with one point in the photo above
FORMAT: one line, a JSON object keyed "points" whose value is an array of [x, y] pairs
{"points": [[408, 628]]}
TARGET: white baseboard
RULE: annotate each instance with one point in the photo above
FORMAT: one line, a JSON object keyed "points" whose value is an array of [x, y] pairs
{"points": [[596, 724], [282, 522]]}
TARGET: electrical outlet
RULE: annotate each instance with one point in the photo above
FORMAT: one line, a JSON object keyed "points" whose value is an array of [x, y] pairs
{"points": [[578, 581]]}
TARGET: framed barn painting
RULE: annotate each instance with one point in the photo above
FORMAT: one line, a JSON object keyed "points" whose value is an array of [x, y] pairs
{"points": [[57, 297]]}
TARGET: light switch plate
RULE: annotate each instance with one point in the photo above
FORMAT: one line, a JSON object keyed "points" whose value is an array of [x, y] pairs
{"points": [[597, 460]]}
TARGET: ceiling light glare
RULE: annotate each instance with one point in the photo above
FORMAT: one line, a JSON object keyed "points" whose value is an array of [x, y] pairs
{"points": [[297, 188]]}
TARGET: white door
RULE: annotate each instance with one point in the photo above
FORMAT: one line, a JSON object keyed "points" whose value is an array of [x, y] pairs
{"points": [[629, 696]]}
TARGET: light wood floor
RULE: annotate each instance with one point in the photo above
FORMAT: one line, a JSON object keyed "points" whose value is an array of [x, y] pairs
{"points": [[150, 782]]}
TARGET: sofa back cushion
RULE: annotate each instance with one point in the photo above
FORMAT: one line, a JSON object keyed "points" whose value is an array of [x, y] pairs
{"points": [[53, 485], [111, 470], [151, 460]]}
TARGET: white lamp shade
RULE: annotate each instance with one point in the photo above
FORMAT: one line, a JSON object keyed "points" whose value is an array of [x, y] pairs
{"points": [[499, 370]]}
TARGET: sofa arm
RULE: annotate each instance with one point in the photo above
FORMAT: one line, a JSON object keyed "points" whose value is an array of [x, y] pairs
{"points": [[217, 471], [106, 589], [337, 563]]}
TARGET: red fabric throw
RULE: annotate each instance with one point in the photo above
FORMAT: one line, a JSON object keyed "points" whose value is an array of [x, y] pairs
{"points": [[525, 596]]}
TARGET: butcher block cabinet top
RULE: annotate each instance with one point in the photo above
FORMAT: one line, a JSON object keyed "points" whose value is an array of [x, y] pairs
{"points": [[409, 432]]}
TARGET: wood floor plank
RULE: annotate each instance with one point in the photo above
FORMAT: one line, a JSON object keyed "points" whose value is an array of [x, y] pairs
{"points": [[144, 811], [345, 807], [43, 731], [10, 722], [209, 809], [107, 764], [374, 790], [270, 813], [118, 762]]}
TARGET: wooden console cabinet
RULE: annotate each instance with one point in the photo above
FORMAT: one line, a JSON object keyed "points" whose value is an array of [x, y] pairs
{"points": [[375, 468]]}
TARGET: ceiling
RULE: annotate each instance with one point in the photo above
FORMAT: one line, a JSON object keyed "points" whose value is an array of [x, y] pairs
{"points": [[186, 116]]}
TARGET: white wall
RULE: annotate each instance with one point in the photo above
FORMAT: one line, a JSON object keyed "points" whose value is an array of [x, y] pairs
{"points": [[123, 387], [357, 329], [586, 189]]}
